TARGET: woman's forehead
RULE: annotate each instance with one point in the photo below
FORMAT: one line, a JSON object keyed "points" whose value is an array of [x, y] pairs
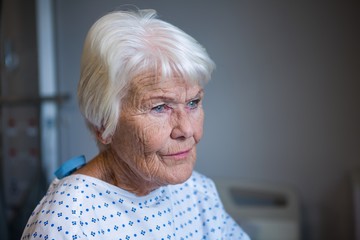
{"points": [[150, 84], [153, 78]]}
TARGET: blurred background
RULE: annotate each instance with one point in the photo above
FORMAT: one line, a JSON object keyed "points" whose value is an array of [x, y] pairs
{"points": [[282, 133]]}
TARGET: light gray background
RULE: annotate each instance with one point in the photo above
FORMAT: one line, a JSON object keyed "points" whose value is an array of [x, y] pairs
{"points": [[283, 105]]}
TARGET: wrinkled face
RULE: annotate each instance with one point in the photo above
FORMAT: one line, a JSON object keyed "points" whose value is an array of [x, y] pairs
{"points": [[160, 124]]}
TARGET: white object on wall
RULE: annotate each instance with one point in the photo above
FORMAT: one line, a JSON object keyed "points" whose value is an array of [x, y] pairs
{"points": [[47, 87], [264, 211]]}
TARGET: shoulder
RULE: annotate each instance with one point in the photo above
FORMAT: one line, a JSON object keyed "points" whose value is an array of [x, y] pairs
{"points": [[60, 210], [64, 194], [67, 196], [74, 185], [212, 209]]}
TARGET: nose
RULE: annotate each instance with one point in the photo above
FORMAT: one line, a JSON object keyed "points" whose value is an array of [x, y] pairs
{"points": [[182, 125]]}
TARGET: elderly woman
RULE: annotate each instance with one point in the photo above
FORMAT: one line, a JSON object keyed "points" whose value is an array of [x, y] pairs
{"points": [[141, 92]]}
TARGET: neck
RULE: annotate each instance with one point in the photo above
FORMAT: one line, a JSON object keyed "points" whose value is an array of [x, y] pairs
{"points": [[111, 169]]}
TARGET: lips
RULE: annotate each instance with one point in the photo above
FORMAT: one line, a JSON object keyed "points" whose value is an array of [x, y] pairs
{"points": [[179, 155]]}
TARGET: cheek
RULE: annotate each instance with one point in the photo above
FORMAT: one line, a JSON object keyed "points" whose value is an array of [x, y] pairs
{"points": [[126, 140], [198, 123], [152, 135]]}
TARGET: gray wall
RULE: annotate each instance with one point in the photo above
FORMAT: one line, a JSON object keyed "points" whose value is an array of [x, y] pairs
{"points": [[283, 105]]}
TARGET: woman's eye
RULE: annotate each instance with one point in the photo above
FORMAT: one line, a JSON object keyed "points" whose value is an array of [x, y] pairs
{"points": [[193, 104], [160, 108]]}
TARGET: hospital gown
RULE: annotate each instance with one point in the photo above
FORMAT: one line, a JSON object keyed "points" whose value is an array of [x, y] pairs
{"points": [[82, 207]]}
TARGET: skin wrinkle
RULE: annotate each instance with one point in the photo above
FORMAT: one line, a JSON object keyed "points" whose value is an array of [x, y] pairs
{"points": [[137, 158]]}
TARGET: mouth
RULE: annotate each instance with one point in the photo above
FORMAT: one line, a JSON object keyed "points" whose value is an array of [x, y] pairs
{"points": [[179, 155]]}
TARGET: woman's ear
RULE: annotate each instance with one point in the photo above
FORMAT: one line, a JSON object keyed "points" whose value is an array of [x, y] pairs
{"points": [[99, 136]]}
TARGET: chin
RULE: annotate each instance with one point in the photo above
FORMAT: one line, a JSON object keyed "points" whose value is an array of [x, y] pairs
{"points": [[179, 176]]}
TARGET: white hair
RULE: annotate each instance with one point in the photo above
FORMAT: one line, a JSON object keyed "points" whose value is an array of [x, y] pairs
{"points": [[122, 45]]}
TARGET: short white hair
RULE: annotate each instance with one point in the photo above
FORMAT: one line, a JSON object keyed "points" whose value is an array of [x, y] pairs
{"points": [[122, 45]]}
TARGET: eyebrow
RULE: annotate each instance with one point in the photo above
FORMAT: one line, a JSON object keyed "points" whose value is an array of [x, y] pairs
{"points": [[171, 99]]}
